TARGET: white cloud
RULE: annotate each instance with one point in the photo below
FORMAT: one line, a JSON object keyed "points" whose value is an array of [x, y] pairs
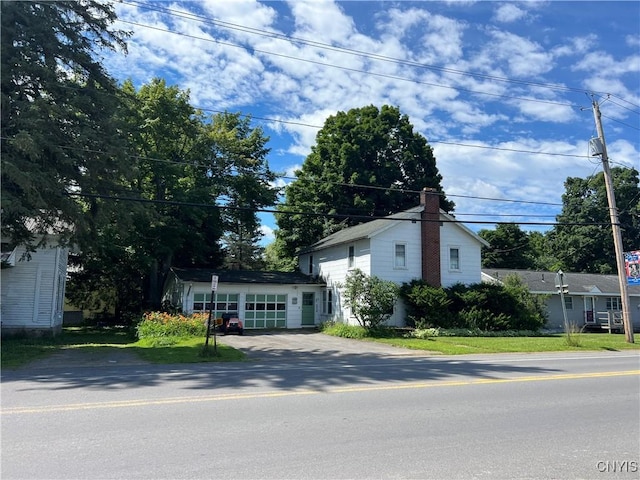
{"points": [[244, 13], [282, 79], [321, 20], [605, 63], [523, 57], [633, 40], [268, 234], [508, 12]]}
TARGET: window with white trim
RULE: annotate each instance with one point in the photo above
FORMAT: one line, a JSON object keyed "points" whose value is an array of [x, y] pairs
{"points": [[400, 255], [224, 302], [327, 302], [568, 302], [351, 256], [454, 258], [310, 264], [614, 303]]}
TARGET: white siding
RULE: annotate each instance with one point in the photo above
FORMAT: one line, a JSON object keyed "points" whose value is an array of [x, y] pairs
{"points": [[31, 290], [452, 236], [383, 253], [293, 293], [333, 269], [376, 256]]}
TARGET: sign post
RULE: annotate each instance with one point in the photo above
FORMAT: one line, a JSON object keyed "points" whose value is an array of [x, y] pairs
{"points": [[214, 287]]}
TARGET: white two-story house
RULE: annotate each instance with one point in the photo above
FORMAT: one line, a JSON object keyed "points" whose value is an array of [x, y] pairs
{"points": [[420, 243]]}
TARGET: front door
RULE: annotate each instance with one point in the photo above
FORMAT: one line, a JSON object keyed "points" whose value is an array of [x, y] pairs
{"points": [[308, 309], [589, 310]]}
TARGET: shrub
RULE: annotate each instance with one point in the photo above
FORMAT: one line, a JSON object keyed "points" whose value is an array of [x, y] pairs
{"points": [[343, 330], [427, 306], [425, 333], [483, 319], [481, 306], [160, 324], [370, 298], [467, 332]]}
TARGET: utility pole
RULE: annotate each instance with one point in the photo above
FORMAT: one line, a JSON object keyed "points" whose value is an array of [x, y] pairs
{"points": [[615, 226]]}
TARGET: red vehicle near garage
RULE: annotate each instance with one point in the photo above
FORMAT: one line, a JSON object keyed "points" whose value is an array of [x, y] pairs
{"points": [[230, 323]]}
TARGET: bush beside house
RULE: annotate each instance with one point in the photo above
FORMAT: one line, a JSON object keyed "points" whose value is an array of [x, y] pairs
{"points": [[477, 307]]}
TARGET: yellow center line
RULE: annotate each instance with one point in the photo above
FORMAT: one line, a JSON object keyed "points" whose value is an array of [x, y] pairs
{"points": [[289, 393]]}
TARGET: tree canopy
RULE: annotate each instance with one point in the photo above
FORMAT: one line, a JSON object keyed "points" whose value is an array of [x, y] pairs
{"points": [[582, 240], [198, 182], [588, 247], [362, 165], [509, 247], [58, 110]]}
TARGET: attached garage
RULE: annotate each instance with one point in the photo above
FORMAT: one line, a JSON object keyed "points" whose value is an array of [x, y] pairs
{"points": [[263, 300]]}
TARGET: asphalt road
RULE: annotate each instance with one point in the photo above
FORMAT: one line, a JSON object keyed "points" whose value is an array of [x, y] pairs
{"points": [[345, 416]]}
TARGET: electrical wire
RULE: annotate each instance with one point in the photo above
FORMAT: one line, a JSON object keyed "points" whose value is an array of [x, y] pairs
{"points": [[323, 215], [349, 69], [359, 53], [340, 184], [430, 141]]}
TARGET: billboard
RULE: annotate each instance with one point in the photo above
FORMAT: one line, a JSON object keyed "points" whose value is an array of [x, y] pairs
{"points": [[632, 267]]}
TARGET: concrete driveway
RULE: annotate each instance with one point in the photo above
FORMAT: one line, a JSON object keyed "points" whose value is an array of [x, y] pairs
{"points": [[308, 344]]}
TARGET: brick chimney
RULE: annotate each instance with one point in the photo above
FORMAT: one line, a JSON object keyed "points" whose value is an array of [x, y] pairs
{"points": [[430, 233]]}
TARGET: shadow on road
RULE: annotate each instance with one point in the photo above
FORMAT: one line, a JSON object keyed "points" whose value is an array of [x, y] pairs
{"points": [[316, 367]]}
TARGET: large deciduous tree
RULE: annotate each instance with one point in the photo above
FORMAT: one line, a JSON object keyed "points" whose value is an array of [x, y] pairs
{"points": [[363, 162], [509, 247], [583, 240], [195, 178], [58, 109]]}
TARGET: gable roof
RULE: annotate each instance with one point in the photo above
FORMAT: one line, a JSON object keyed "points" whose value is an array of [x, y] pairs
{"points": [[203, 275], [374, 227], [540, 281]]}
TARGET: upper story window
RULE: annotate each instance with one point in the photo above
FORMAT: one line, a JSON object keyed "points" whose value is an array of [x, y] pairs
{"points": [[400, 255], [352, 256], [454, 258], [310, 264]]}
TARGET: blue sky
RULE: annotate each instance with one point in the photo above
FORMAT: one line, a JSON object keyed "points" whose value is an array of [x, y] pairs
{"points": [[501, 90]]}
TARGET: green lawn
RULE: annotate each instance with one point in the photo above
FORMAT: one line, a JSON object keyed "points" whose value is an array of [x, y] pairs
{"points": [[20, 351], [16, 352], [551, 343]]}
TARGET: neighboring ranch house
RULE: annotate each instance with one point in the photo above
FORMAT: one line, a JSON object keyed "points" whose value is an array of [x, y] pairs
{"points": [[593, 301], [422, 242], [261, 299], [32, 295]]}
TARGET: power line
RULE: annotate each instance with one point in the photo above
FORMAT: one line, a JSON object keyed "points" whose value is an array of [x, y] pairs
{"points": [[349, 69], [430, 141], [621, 123], [355, 52], [315, 214], [341, 184]]}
